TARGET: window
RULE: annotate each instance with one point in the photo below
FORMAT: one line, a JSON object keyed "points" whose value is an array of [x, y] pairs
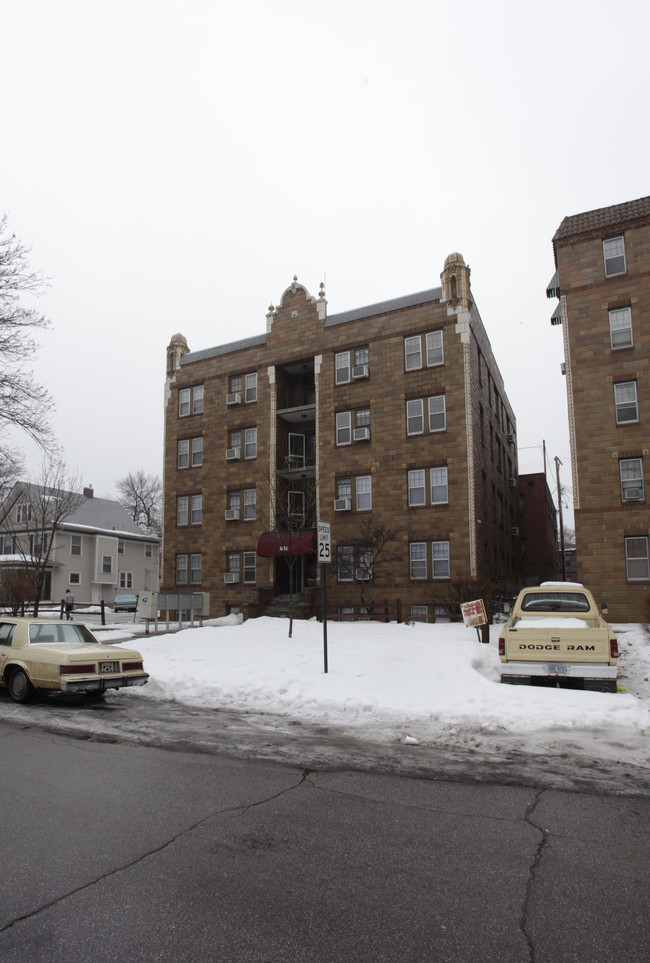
{"points": [[197, 509], [343, 428], [75, 544], [418, 559], [345, 560], [234, 563], [120, 547], [344, 488], [361, 356], [37, 544], [364, 493], [234, 501], [416, 487], [631, 472], [183, 402], [636, 559], [614, 256], [362, 417], [7, 545], [296, 506], [249, 567], [235, 384], [148, 551], [419, 613], [107, 564], [437, 413], [74, 578], [195, 569], [197, 400], [184, 453], [365, 559], [415, 417], [440, 559], [439, 487], [182, 509], [413, 353], [190, 400], [342, 367], [126, 580], [251, 387], [250, 443], [620, 328], [24, 512], [181, 569], [435, 352], [197, 452], [250, 504], [625, 401], [235, 439]]}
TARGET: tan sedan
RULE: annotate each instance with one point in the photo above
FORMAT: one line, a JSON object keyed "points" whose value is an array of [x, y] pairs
{"points": [[62, 656]]}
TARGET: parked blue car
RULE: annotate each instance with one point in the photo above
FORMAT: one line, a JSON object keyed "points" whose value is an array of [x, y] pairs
{"points": [[125, 603]]}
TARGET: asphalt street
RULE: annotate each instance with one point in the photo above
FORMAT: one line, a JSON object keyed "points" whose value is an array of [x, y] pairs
{"points": [[117, 851]]}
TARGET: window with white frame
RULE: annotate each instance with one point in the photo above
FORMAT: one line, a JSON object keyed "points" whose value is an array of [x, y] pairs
{"points": [[415, 416], [418, 559], [416, 486], [74, 578], [236, 384], [437, 413], [361, 356], [342, 367], [439, 486], [250, 443], [250, 504], [126, 580], [7, 545], [365, 558], [626, 402], [413, 353], [37, 544], [182, 510], [181, 569], [148, 550], [637, 563], [364, 493], [184, 453], [296, 506], [195, 568], [344, 488], [234, 563], [197, 400], [435, 349], [620, 328], [345, 563], [235, 439], [190, 401], [440, 559], [362, 418], [120, 546], [107, 564], [249, 567], [631, 473], [343, 427], [75, 544], [614, 256], [24, 512], [197, 510], [251, 387], [419, 613], [197, 452]]}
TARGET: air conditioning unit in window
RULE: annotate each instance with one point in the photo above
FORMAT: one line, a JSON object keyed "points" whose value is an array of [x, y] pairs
{"points": [[342, 504], [512, 482], [234, 398], [231, 577], [233, 454], [514, 530], [232, 514], [362, 434], [363, 575], [360, 371], [633, 495]]}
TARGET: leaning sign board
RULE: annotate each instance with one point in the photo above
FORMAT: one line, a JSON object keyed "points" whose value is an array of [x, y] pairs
{"points": [[474, 613]]}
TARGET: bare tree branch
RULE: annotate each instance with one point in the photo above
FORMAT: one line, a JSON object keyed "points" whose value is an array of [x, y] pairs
{"points": [[140, 495]]}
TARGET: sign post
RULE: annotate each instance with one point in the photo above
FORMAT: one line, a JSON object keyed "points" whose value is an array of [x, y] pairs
{"points": [[474, 615], [324, 557]]}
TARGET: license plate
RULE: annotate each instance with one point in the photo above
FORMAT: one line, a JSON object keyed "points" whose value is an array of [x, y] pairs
{"points": [[557, 668], [105, 667]]}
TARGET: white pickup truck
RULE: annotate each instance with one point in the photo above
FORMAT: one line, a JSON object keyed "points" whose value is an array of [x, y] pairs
{"points": [[556, 636]]}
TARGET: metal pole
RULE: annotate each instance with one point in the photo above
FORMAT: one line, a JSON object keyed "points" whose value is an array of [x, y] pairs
{"points": [[323, 578], [559, 501]]}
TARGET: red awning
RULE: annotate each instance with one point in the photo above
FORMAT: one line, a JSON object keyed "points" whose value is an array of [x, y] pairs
{"points": [[287, 543]]}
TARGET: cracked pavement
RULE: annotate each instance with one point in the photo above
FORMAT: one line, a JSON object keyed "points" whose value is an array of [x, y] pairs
{"points": [[114, 851]]}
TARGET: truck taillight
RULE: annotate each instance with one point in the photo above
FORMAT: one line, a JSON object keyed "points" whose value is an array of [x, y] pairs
{"points": [[502, 645], [613, 648]]}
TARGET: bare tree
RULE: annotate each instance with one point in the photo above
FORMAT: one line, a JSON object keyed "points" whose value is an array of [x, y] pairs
{"points": [[34, 517], [23, 402], [11, 467], [375, 551], [140, 495]]}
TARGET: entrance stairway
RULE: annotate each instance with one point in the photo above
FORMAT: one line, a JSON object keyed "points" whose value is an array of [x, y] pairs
{"points": [[280, 607]]}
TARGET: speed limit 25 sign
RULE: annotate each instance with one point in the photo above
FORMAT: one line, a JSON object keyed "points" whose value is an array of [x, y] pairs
{"points": [[324, 542]]}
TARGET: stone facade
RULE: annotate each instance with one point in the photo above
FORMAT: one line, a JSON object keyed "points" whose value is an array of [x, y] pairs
{"points": [[538, 530], [331, 417], [603, 285]]}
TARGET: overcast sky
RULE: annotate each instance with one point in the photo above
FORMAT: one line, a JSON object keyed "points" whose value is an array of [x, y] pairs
{"points": [[173, 165]]}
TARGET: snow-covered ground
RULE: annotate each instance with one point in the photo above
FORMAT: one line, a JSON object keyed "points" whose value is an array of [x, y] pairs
{"points": [[417, 684]]}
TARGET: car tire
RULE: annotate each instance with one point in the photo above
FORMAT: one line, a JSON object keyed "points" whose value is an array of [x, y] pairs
{"points": [[20, 688]]}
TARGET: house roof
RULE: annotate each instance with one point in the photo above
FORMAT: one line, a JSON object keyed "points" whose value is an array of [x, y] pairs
{"points": [[603, 219]]}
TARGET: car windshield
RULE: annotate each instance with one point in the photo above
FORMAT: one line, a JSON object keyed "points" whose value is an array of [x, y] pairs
{"points": [[555, 602], [57, 632]]}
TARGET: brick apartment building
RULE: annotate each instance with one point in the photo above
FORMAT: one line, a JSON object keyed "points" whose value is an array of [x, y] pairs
{"points": [[603, 285], [390, 418], [538, 536]]}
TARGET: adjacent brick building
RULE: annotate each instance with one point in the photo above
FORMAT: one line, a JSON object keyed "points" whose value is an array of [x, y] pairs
{"points": [[392, 418], [603, 285], [540, 555]]}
